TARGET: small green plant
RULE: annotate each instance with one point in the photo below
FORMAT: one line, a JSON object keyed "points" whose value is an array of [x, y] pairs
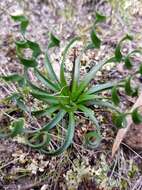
{"points": [[65, 99]]}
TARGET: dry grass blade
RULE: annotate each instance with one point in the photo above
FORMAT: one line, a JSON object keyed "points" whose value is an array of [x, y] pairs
{"points": [[122, 132]]}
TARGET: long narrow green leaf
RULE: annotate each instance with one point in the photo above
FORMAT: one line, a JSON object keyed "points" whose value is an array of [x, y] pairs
{"points": [[35, 89], [88, 113], [50, 70], [97, 135], [62, 74], [21, 104], [45, 97], [54, 121], [46, 81], [34, 140], [101, 87], [51, 98], [115, 97], [103, 104], [42, 94], [17, 98], [68, 138], [76, 72], [57, 118], [47, 111], [86, 97], [14, 78], [89, 76]]}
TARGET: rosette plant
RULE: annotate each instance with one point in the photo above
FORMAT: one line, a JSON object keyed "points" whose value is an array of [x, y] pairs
{"points": [[65, 99]]}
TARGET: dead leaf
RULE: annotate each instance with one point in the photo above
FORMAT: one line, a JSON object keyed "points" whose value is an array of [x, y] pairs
{"points": [[122, 132], [133, 137]]}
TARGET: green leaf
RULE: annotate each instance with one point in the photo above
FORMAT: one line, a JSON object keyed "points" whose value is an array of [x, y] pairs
{"points": [[17, 127], [35, 47], [68, 138], [92, 139], [25, 44], [20, 103], [136, 117], [28, 62], [128, 88], [62, 73], [95, 40], [86, 97], [140, 69], [119, 120], [12, 78], [103, 104], [128, 61], [59, 116], [21, 44], [24, 26], [35, 89], [45, 97], [99, 18], [54, 121], [118, 54], [49, 69], [102, 87], [46, 81], [76, 72], [24, 22], [135, 92], [115, 97], [47, 111], [89, 113], [89, 76], [13, 96], [50, 98], [38, 140], [42, 94], [54, 41]]}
